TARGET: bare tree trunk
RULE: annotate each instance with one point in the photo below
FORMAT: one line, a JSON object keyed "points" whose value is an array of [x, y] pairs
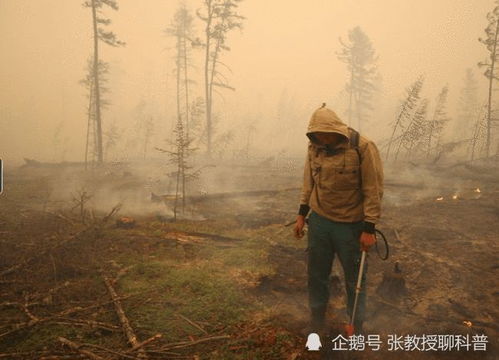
{"points": [[183, 178], [210, 91], [94, 136], [186, 79], [176, 192], [393, 132], [178, 78], [77, 347], [491, 80], [89, 123], [206, 82], [216, 51], [100, 155]]}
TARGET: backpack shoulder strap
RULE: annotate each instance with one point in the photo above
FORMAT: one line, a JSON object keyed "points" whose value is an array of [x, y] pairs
{"points": [[354, 142]]}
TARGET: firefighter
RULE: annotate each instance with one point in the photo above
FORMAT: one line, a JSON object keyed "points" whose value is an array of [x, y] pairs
{"points": [[342, 191]]}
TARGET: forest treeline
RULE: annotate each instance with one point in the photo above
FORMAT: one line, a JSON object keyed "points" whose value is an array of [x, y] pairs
{"points": [[420, 130]]}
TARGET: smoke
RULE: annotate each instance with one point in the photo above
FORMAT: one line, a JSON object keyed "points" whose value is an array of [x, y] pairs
{"points": [[106, 188], [408, 184]]}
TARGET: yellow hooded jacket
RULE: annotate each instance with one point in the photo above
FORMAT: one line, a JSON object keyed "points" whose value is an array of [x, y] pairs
{"points": [[337, 184]]}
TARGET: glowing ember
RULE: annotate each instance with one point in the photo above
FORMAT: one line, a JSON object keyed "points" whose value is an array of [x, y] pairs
{"points": [[440, 198], [477, 190], [454, 197]]}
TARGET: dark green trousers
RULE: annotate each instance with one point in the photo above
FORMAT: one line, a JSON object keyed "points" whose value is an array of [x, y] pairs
{"points": [[325, 239]]}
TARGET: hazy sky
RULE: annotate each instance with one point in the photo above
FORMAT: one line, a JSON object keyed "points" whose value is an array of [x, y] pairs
{"points": [[287, 49]]}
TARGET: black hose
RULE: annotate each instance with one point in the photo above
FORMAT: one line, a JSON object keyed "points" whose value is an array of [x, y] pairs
{"points": [[386, 245]]}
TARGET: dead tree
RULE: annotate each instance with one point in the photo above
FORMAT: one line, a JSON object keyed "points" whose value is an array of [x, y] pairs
{"points": [[182, 30], [479, 133], [91, 144], [359, 55], [416, 130], [220, 17], [109, 38], [408, 105], [491, 42], [437, 123]]}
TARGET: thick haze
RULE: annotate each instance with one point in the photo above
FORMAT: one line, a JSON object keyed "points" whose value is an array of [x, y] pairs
{"points": [[285, 56]]}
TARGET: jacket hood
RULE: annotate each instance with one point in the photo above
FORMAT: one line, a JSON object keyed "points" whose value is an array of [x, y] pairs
{"points": [[326, 120]]}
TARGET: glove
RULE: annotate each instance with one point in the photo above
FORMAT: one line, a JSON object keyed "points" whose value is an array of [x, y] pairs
{"points": [[366, 241]]}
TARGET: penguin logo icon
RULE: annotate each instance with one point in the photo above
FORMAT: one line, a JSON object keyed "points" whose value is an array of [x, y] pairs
{"points": [[313, 342]]}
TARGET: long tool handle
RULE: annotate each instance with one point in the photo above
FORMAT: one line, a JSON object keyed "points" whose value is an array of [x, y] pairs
{"points": [[359, 283]]}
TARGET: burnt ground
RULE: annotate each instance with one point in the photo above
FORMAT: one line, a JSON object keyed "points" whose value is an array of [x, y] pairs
{"points": [[229, 281]]}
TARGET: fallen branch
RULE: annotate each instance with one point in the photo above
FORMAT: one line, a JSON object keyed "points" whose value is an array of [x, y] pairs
{"points": [[127, 328], [193, 323], [91, 323], [76, 347], [113, 211], [40, 355], [144, 343], [29, 324], [171, 355], [10, 304], [109, 351], [63, 357], [175, 235], [47, 294], [122, 272], [28, 312], [183, 344]]}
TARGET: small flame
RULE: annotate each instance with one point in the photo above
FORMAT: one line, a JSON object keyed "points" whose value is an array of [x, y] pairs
{"points": [[477, 190], [440, 198], [468, 323], [454, 197]]}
